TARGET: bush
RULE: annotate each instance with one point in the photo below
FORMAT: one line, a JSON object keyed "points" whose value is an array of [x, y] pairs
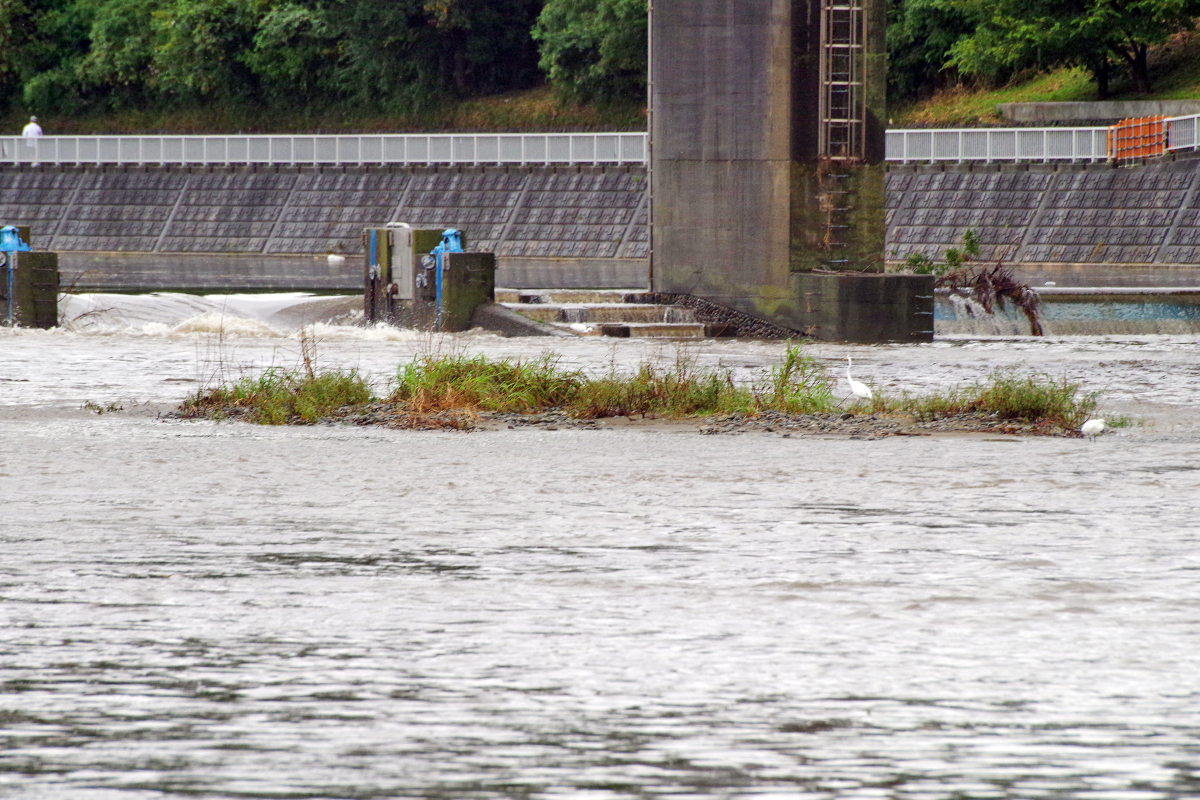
{"points": [[439, 383], [279, 397], [595, 50], [1007, 395]]}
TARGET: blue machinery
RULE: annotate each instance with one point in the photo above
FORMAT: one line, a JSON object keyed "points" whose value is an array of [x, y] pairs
{"points": [[451, 243], [424, 279], [10, 243]]}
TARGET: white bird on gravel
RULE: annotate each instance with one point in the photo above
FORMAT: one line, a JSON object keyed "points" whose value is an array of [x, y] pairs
{"points": [[1093, 428], [860, 390]]}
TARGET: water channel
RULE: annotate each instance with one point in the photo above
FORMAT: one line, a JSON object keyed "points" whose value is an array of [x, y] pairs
{"points": [[193, 609]]}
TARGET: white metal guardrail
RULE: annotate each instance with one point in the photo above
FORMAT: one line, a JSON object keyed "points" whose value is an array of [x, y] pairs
{"points": [[402, 149], [1183, 133], [1046, 145], [1078, 145]]}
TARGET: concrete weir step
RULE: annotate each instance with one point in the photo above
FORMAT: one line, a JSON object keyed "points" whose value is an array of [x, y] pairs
{"points": [[609, 312]]}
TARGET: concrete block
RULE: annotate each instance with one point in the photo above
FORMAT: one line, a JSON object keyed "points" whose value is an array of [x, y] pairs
{"points": [[864, 308], [34, 302]]}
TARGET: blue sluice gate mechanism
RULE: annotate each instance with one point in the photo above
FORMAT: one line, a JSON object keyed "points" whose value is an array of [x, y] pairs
{"points": [[451, 243], [10, 242]]}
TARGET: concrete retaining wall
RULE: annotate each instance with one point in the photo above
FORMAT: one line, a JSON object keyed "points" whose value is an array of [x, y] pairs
{"points": [[172, 228], [1103, 112], [570, 226], [1148, 215]]}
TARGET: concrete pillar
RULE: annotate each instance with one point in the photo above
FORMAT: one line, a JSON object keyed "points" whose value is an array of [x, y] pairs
{"points": [[35, 290], [751, 182]]}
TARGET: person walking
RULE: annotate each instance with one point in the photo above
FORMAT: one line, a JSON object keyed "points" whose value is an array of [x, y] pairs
{"points": [[31, 132]]}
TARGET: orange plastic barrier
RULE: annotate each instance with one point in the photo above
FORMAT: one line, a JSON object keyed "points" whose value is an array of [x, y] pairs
{"points": [[1140, 137]]}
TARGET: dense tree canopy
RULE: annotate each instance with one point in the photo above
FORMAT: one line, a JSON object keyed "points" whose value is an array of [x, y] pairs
{"points": [[920, 36], [1100, 35], [595, 50], [74, 55]]}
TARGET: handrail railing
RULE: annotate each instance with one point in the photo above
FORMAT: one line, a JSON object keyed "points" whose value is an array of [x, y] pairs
{"points": [[998, 145], [989, 145], [474, 149], [1044, 145]]}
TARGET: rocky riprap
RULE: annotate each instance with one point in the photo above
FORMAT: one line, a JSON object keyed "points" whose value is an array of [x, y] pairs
{"points": [[854, 426], [873, 426]]}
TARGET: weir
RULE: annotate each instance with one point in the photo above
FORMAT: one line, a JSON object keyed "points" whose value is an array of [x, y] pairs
{"points": [[558, 227]]}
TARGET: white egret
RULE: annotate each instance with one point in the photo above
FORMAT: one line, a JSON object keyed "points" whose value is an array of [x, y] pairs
{"points": [[334, 258], [1093, 428], [859, 389]]}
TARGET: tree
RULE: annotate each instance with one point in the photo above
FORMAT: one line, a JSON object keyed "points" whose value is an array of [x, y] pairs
{"points": [[121, 56], [920, 34], [400, 55], [595, 50], [293, 50], [1094, 34], [49, 39], [485, 45]]}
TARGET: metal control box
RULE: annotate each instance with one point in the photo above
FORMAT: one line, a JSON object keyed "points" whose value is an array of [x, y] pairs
{"points": [[389, 277], [424, 279], [29, 282]]}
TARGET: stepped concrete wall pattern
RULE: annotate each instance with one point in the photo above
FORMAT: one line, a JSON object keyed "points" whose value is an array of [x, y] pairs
{"points": [[1148, 215], [551, 227]]}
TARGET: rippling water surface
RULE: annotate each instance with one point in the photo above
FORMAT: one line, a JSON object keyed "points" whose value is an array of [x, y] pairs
{"points": [[226, 611]]}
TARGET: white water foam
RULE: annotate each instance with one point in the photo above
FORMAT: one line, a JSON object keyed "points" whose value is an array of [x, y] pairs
{"points": [[260, 316]]}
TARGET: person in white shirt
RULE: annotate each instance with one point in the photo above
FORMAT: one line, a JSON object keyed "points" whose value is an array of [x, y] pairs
{"points": [[31, 132]]}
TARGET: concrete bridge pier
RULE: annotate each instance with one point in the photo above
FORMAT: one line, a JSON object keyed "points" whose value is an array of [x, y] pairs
{"points": [[767, 149]]}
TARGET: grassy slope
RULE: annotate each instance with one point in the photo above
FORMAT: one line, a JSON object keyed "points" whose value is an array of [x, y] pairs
{"points": [[1175, 70], [533, 110]]}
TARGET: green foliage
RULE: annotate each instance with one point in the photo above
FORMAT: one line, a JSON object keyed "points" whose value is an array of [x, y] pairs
{"points": [[200, 48], [1098, 35], [681, 390], [955, 258], [80, 56], [595, 50], [920, 36], [122, 52], [800, 385], [279, 397], [291, 46], [433, 383], [446, 391], [1011, 396]]}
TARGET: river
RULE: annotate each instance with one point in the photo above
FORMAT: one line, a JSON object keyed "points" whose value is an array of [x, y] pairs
{"points": [[194, 609]]}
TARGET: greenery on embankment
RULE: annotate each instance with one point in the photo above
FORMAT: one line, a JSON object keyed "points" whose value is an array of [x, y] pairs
{"points": [[455, 391], [194, 66], [1173, 69], [539, 110]]}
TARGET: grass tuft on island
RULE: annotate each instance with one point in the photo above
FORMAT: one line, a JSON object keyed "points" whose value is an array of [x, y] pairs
{"points": [[461, 392]]}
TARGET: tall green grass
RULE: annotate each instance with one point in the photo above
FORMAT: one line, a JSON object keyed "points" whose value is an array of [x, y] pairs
{"points": [[279, 397], [463, 386], [682, 389], [439, 383], [1007, 394], [799, 385]]}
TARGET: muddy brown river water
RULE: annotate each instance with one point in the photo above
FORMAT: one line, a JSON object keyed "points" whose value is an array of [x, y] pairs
{"points": [[191, 609]]}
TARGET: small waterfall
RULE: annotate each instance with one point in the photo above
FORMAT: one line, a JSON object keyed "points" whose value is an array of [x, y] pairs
{"points": [[956, 314], [1080, 313]]}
